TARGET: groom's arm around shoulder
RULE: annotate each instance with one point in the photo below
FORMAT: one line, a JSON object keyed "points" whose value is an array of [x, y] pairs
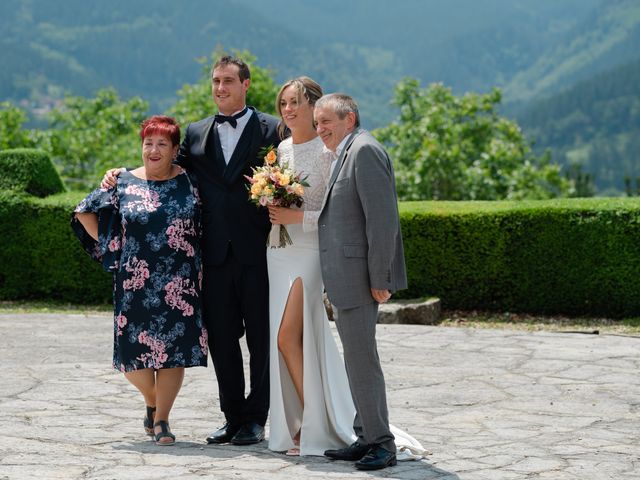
{"points": [[184, 158], [375, 184], [192, 136]]}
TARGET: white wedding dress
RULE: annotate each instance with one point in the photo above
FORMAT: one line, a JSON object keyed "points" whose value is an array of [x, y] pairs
{"points": [[326, 420]]}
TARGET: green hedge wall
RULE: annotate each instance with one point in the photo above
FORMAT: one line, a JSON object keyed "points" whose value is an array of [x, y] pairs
{"points": [[41, 257], [573, 257], [29, 170], [565, 256]]}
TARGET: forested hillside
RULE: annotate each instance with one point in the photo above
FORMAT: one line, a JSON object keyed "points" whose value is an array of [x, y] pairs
{"points": [[362, 46], [78, 47], [609, 36], [596, 124], [540, 53]]}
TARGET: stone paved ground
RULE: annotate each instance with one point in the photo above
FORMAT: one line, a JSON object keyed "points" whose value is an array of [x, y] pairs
{"points": [[489, 404]]}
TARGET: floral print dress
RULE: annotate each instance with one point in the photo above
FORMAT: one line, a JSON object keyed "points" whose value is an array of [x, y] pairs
{"points": [[148, 236]]}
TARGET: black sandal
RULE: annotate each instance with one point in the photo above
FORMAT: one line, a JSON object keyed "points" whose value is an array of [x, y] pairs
{"points": [[148, 421], [164, 433]]}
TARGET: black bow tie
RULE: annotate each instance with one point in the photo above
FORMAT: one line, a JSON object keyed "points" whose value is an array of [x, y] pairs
{"points": [[233, 119]]}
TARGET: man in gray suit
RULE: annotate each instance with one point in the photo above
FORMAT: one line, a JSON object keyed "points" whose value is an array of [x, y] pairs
{"points": [[362, 262]]}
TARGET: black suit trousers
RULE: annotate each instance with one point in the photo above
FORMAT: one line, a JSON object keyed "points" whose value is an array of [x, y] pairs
{"points": [[236, 302]]}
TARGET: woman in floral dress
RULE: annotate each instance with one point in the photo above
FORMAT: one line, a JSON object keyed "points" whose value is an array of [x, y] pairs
{"points": [[146, 231]]}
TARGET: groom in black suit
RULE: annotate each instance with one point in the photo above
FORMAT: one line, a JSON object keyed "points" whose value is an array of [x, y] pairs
{"points": [[220, 150]]}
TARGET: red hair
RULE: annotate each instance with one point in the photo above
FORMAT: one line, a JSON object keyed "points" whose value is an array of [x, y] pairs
{"points": [[161, 125]]}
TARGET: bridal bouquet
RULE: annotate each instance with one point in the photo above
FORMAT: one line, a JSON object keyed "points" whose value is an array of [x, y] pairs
{"points": [[272, 184]]}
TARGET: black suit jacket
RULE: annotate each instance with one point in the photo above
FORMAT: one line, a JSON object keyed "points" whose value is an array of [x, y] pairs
{"points": [[229, 219]]}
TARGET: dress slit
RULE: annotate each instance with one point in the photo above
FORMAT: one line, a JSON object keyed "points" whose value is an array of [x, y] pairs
{"points": [[325, 420], [294, 422]]}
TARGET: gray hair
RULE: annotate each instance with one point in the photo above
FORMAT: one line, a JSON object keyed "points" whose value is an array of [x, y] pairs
{"points": [[341, 104]]}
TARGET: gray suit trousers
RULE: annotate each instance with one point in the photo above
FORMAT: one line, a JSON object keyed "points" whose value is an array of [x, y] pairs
{"points": [[357, 330]]}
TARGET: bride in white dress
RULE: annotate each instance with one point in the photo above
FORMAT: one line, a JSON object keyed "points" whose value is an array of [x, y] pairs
{"points": [[311, 409], [306, 416]]}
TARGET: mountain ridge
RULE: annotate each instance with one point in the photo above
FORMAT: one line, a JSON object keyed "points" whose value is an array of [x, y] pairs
{"points": [[362, 47]]}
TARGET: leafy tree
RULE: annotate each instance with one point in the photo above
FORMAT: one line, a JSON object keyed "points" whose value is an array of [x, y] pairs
{"points": [[583, 181], [629, 188], [195, 101], [89, 135], [12, 135], [459, 148]]}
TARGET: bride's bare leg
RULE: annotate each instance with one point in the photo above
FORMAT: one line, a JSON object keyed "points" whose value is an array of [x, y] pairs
{"points": [[290, 336]]}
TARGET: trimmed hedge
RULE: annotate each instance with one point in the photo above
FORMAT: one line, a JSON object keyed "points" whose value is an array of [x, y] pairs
{"points": [[570, 256], [41, 257], [563, 256], [29, 170]]}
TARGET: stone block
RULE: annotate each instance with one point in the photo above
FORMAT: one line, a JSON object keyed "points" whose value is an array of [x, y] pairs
{"points": [[412, 312]]}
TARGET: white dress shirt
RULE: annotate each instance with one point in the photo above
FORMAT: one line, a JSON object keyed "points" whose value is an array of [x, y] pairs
{"points": [[337, 153], [229, 136]]}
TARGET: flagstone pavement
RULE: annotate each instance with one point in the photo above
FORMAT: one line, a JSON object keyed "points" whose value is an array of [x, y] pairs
{"points": [[488, 404]]}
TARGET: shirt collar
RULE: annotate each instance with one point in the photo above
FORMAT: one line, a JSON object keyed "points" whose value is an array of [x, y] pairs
{"points": [[342, 144], [339, 148], [243, 108]]}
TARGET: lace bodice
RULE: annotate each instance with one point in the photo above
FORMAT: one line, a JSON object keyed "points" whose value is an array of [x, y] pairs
{"points": [[310, 160]]}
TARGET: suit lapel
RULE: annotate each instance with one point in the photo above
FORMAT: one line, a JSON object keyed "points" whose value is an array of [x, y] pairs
{"points": [[218, 154], [207, 143], [213, 156], [340, 162]]}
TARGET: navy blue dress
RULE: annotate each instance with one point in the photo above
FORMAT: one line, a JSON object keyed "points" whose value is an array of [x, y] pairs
{"points": [[149, 237]]}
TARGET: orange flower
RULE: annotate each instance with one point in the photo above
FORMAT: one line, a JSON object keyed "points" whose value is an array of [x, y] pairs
{"points": [[270, 158], [256, 189]]}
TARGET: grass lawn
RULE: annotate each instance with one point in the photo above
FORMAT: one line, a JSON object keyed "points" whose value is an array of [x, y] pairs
{"points": [[519, 321], [473, 319], [41, 306]]}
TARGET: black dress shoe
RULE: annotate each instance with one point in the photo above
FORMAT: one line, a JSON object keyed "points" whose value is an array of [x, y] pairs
{"points": [[224, 434], [355, 451], [248, 434], [376, 458]]}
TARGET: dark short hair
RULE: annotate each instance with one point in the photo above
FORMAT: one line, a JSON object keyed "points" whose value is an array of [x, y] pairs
{"points": [[161, 125], [243, 68]]}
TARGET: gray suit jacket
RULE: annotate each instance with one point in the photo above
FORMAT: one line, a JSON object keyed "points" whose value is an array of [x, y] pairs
{"points": [[359, 228]]}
